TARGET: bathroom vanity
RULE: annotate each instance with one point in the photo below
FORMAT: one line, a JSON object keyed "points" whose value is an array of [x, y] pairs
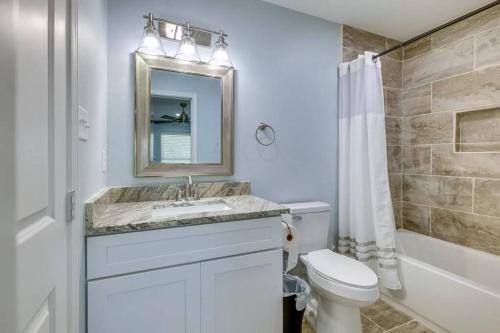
{"points": [[155, 264]]}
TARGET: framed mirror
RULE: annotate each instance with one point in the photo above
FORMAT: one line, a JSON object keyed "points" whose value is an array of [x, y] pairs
{"points": [[183, 118]]}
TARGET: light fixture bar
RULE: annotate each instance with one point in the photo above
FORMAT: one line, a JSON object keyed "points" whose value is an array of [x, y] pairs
{"points": [[184, 25]]}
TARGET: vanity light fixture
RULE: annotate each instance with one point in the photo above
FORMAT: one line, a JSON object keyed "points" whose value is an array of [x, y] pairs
{"points": [[151, 42], [187, 50], [191, 37], [220, 54]]}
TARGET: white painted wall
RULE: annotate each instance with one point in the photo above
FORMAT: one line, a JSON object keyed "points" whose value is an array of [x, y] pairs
{"points": [[92, 96]]}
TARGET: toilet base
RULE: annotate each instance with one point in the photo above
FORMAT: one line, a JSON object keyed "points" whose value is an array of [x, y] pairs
{"points": [[336, 317]]}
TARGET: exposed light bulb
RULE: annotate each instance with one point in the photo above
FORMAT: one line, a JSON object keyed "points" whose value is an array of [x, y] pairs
{"points": [[187, 50], [151, 42], [220, 54]]}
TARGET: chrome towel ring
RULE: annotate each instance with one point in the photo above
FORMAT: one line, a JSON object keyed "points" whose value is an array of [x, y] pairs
{"points": [[262, 128]]}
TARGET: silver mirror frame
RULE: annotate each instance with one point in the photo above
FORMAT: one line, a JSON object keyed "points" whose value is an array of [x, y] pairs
{"points": [[144, 64]]}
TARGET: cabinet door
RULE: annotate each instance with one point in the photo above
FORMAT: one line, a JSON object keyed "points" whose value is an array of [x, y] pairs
{"points": [[161, 301], [242, 294]]}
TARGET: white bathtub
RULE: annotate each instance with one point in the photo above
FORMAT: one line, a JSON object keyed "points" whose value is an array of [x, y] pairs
{"points": [[451, 287]]}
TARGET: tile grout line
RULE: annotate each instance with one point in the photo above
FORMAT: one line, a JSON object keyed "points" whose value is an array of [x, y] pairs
{"points": [[374, 323], [394, 328]]}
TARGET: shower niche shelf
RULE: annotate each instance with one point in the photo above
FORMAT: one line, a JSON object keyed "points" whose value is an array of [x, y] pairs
{"points": [[478, 131]]}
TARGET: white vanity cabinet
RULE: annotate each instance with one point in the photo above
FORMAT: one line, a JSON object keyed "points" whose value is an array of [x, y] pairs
{"points": [[159, 301], [217, 278]]}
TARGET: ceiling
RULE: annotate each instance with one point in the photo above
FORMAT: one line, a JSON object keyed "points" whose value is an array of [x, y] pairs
{"points": [[398, 19]]}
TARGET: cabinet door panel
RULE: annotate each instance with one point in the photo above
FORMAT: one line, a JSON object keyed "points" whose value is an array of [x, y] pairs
{"points": [[160, 301], [242, 294]]}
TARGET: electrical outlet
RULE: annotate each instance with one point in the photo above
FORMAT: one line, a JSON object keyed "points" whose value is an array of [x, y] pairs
{"points": [[83, 124]]}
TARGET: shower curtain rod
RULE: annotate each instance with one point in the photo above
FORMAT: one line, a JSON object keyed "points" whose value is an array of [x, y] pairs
{"points": [[441, 27]]}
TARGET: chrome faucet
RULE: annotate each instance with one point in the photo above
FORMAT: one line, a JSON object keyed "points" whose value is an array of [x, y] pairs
{"points": [[189, 187], [190, 193]]}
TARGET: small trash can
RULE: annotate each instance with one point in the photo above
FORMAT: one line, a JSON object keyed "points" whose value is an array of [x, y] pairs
{"points": [[295, 294]]}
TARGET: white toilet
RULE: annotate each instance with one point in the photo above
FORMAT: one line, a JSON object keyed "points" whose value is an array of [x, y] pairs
{"points": [[341, 284]]}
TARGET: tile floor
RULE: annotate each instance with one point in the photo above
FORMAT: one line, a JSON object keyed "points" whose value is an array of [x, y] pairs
{"points": [[383, 318]]}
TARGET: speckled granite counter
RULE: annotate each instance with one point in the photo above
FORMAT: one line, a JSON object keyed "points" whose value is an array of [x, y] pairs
{"points": [[127, 209]]}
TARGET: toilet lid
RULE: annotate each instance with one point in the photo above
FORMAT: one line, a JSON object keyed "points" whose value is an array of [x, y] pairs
{"points": [[342, 269]]}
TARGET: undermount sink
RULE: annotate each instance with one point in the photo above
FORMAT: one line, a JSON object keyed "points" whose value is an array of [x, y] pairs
{"points": [[185, 208]]}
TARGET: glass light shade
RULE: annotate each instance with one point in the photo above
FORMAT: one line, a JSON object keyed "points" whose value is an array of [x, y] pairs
{"points": [[220, 54], [187, 49], [151, 42]]}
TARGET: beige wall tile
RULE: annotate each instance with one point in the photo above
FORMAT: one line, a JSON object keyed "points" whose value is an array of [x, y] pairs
{"points": [[473, 25], [349, 54], [392, 73], [417, 48], [446, 162], [361, 40], [395, 186], [488, 48], [493, 147], [480, 126], [417, 218], [444, 192], [417, 160], [394, 159], [396, 208], [487, 197], [428, 128], [393, 102], [393, 131], [477, 89], [479, 232], [417, 100], [440, 63], [397, 54]]}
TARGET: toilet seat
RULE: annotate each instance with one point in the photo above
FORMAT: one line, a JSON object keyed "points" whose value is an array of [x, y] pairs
{"points": [[343, 276]]}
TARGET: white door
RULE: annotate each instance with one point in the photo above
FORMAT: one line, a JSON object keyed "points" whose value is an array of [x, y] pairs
{"points": [[242, 294], [41, 51], [160, 301]]}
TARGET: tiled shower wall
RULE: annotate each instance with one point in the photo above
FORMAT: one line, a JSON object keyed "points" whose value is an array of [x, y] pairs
{"points": [[445, 167]]}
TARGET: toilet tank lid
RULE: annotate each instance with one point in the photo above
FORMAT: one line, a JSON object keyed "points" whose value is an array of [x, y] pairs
{"points": [[307, 207]]}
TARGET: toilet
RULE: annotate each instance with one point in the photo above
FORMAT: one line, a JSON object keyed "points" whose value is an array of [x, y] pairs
{"points": [[341, 285]]}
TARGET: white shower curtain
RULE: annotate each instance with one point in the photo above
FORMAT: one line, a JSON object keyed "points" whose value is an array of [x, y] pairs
{"points": [[366, 218]]}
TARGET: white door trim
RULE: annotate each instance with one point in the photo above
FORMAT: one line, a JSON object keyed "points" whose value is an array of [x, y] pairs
{"points": [[7, 165], [75, 230]]}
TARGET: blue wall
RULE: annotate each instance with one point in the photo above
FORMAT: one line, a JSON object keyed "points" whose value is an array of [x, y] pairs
{"points": [[286, 75]]}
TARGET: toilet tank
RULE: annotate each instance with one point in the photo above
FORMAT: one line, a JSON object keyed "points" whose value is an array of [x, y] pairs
{"points": [[312, 220]]}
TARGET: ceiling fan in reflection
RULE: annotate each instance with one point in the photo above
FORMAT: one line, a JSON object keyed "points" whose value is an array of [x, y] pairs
{"points": [[182, 118]]}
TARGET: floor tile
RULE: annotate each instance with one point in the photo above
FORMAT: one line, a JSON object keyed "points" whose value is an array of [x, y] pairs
{"points": [[411, 327], [306, 328], [385, 315], [369, 326]]}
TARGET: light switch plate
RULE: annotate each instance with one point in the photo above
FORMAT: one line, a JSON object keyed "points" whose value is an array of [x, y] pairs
{"points": [[83, 124]]}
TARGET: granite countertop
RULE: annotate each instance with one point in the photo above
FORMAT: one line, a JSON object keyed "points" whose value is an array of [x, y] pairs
{"points": [[119, 210]]}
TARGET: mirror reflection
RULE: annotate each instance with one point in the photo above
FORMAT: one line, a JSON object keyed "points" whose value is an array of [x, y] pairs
{"points": [[185, 118]]}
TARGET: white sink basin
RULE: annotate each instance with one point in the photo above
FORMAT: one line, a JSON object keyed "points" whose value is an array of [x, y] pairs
{"points": [[186, 208]]}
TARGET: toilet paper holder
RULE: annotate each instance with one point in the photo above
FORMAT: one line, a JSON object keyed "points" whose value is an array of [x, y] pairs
{"points": [[289, 237]]}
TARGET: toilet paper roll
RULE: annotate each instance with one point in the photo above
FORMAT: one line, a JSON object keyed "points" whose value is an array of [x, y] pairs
{"points": [[290, 245]]}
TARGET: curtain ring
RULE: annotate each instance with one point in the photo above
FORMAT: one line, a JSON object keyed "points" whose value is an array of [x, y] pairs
{"points": [[261, 128]]}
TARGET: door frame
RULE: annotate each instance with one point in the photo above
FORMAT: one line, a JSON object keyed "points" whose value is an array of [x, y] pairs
{"points": [[7, 165], [76, 235]]}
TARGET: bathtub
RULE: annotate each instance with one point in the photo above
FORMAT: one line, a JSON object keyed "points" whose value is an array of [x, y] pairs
{"points": [[450, 287]]}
